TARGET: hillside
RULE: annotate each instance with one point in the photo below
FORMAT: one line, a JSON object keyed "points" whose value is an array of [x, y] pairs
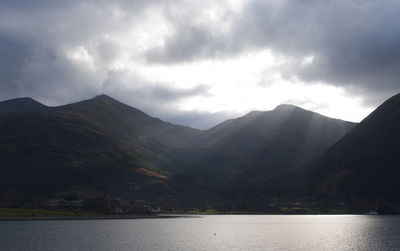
{"points": [[92, 147], [364, 164], [102, 146], [244, 153], [21, 105]]}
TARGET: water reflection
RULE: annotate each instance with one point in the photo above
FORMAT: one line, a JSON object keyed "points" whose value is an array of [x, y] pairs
{"points": [[228, 232]]}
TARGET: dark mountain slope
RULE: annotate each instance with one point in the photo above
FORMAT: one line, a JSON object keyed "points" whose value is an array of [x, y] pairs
{"points": [[247, 151], [21, 105], [99, 144], [121, 120], [152, 138], [364, 164], [103, 146]]}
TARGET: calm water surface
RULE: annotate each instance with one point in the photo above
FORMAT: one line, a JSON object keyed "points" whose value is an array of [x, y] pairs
{"points": [[241, 232]]}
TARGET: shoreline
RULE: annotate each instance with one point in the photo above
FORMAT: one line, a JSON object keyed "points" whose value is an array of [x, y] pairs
{"points": [[105, 217], [158, 216]]}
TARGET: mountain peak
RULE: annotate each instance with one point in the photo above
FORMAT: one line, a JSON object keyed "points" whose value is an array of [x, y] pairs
{"points": [[19, 100], [103, 97], [24, 104], [390, 105], [286, 107], [364, 163]]}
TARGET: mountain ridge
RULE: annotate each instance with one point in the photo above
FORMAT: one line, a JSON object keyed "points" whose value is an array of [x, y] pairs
{"points": [[104, 146], [104, 97], [25, 104], [364, 163]]}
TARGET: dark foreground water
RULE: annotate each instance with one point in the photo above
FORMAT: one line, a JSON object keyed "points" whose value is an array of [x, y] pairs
{"points": [[242, 232]]}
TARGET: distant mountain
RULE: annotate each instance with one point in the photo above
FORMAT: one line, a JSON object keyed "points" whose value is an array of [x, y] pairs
{"points": [[102, 146], [245, 152], [364, 164], [94, 146], [20, 105]]}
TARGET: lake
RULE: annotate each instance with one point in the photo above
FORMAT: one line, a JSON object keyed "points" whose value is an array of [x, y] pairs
{"points": [[214, 232]]}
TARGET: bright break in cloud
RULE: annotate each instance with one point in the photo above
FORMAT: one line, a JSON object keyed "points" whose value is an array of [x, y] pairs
{"points": [[199, 62]]}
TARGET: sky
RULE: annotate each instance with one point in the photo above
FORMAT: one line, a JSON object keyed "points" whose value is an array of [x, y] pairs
{"points": [[198, 63]]}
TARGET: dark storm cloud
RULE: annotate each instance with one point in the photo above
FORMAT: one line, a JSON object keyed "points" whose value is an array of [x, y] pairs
{"points": [[51, 4], [28, 68], [13, 54], [355, 44], [188, 43], [157, 100], [37, 36]]}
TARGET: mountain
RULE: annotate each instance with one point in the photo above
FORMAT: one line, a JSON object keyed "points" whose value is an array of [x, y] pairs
{"points": [[244, 153], [21, 105], [102, 146], [91, 147], [364, 164]]}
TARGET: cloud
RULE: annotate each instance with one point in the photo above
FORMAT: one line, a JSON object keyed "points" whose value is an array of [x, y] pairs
{"points": [[161, 99], [130, 85], [45, 73], [13, 54], [64, 51], [187, 44], [354, 44], [60, 51], [200, 120], [159, 92]]}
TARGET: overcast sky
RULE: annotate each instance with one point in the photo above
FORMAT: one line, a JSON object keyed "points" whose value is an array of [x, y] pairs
{"points": [[200, 62]]}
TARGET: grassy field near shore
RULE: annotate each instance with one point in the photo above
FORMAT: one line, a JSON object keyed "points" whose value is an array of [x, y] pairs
{"points": [[31, 212]]}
